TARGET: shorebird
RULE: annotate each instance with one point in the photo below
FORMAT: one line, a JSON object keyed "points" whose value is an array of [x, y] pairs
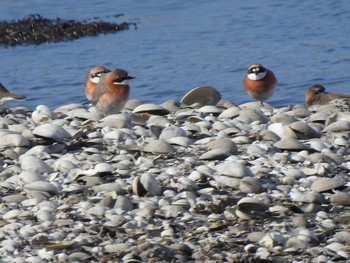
{"points": [[93, 78], [111, 92], [259, 82], [317, 95], [6, 96]]}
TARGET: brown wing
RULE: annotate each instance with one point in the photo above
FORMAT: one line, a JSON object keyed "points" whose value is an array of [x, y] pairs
{"points": [[99, 90], [6, 93], [3, 89]]}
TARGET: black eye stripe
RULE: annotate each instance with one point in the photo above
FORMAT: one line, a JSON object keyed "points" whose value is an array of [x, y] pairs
{"points": [[99, 74], [121, 79], [256, 70]]}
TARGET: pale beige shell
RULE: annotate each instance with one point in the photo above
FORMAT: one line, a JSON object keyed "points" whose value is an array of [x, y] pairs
{"points": [[204, 95], [325, 184]]}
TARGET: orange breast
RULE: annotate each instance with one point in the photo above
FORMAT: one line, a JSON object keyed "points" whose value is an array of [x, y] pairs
{"points": [[115, 94], [260, 89], [89, 89]]}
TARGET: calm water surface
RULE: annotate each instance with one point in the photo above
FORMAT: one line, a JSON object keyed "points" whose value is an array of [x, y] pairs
{"points": [[179, 45]]}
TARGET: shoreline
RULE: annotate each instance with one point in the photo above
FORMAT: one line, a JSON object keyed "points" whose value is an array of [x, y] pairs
{"points": [[175, 183]]}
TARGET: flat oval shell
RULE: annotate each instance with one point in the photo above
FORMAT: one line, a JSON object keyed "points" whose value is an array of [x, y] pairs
{"points": [[325, 184], [158, 146], [151, 109], [340, 199], [204, 95], [52, 131], [10, 140], [290, 144]]}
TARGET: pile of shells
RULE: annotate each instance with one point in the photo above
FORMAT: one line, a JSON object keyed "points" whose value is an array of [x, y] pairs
{"points": [[207, 182]]}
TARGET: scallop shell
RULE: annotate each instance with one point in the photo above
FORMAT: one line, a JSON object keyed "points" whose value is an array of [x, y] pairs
{"points": [[325, 184], [204, 95]]}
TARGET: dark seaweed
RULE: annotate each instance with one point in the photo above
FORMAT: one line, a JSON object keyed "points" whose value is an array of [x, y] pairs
{"points": [[35, 30]]}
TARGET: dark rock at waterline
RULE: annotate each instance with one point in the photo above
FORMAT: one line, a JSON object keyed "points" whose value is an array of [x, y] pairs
{"points": [[35, 29]]}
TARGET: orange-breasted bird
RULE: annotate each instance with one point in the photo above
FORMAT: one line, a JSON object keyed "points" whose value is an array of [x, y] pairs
{"points": [[259, 82], [111, 92]]}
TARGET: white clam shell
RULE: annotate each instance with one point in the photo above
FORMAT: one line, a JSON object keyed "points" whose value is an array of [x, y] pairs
{"points": [[249, 116], [234, 169], [42, 186], [290, 144], [230, 113], [13, 140], [181, 141], [338, 126], [118, 121], [227, 181], [44, 215], [340, 199], [42, 113], [52, 131], [325, 184], [32, 163], [283, 118], [215, 154], [303, 130], [31, 176], [282, 130], [225, 144], [209, 109], [150, 183], [158, 146], [250, 185], [171, 132], [151, 109], [249, 207], [319, 117]]}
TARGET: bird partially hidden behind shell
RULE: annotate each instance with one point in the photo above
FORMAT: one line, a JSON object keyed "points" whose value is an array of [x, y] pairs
{"points": [[317, 95]]}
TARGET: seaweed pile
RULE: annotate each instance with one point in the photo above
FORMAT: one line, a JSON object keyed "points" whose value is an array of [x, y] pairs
{"points": [[35, 29]]}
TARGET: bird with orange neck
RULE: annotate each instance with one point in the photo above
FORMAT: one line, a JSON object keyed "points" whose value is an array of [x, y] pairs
{"points": [[111, 92], [259, 82]]}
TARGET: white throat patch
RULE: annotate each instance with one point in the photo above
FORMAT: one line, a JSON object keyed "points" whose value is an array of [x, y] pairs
{"points": [[124, 82], [260, 75], [95, 79]]}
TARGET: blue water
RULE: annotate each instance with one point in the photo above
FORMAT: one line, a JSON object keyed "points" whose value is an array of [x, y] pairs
{"points": [[180, 44]]}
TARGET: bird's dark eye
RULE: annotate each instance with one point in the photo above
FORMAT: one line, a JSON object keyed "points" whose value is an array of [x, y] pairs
{"points": [[254, 70], [96, 75], [258, 70]]}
